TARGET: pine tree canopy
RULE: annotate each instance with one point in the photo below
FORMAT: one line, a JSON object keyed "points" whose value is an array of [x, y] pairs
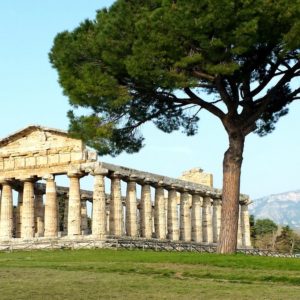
{"points": [[163, 61]]}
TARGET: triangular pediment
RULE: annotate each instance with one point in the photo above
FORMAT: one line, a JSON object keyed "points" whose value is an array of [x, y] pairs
{"points": [[36, 151], [37, 139]]}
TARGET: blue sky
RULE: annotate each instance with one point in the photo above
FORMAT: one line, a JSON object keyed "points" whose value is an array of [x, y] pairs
{"points": [[30, 94]]}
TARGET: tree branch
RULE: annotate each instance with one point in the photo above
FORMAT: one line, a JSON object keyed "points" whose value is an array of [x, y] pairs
{"points": [[262, 103], [206, 105], [234, 89], [294, 93], [288, 75], [266, 80], [223, 93], [205, 86], [202, 75]]}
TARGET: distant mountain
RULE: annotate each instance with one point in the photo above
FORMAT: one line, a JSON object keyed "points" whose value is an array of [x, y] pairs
{"points": [[283, 209]]}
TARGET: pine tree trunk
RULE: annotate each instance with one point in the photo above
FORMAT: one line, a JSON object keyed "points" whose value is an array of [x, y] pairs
{"points": [[231, 193]]}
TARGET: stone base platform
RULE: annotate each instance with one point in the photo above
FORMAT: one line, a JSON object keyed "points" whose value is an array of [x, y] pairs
{"points": [[88, 242]]}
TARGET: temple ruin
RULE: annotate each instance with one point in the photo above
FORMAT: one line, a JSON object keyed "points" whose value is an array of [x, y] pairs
{"points": [[165, 209]]}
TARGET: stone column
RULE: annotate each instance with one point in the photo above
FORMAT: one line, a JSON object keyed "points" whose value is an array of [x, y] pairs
{"points": [[138, 219], [107, 211], [153, 219], [196, 218], [245, 225], [99, 204], [6, 217], [19, 214], [159, 213], [27, 229], [116, 207], [146, 210], [39, 214], [84, 218], [173, 230], [239, 234], [51, 206], [14, 221], [207, 232], [66, 209], [185, 216], [74, 207], [217, 207], [131, 207]]}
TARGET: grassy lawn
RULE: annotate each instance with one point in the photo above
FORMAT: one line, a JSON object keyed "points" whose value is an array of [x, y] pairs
{"points": [[122, 274]]}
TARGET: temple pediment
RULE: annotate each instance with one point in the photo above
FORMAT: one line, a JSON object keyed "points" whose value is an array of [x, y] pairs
{"points": [[39, 147], [37, 139]]}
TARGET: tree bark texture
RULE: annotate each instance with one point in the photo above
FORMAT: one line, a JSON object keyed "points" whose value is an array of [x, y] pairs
{"points": [[231, 193]]}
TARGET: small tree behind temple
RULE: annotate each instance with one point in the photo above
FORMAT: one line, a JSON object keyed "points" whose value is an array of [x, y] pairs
{"points": [[164, 61], [287, 241], [264, 226]]}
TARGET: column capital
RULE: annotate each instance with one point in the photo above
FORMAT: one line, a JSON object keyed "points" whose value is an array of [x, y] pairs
{"points": [[30, 178], [75, 171], [49, 177], [217, 202], [115, 175], [197, 199], [183, 189], [146, 181], [159, 184], [39, 191], [74, 174], [131, 178], [170, 187], [175, 186], [207, 200], [6, 180], [99, 171], [207, 194], [219, 195], [196, 192], [245, 202]]}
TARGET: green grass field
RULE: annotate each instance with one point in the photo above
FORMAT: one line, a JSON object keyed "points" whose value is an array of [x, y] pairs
{"points": [[122, 274]]}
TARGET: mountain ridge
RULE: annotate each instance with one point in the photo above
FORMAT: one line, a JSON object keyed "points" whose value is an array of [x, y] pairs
{"points": [[282, 208]]}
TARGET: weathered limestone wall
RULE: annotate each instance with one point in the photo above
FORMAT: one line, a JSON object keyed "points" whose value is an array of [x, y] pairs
{"points": [[197, 175], [38, 151]]}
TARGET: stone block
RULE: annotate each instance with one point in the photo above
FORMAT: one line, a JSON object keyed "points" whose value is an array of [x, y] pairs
{"points": [[19, 162], [76, 156], [64, 157], [30, 161], [53, 159], [197, 175], [92, 155], [9, 164], [42, 160]]}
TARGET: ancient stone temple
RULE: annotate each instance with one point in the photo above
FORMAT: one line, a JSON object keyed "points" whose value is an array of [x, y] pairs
{"points": [[165, 208]]}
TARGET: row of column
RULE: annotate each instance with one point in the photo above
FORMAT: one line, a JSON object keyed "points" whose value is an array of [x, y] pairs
{"points": [[197, 219], [29, 212]]}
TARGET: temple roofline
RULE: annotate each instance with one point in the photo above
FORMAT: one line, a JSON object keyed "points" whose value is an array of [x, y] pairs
{"points": [[28, 129]]}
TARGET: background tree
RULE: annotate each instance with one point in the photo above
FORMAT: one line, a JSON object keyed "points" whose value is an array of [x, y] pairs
{"points": [[252, 227], [288, 241], [165, 61], [264, 226], [265, 232]]}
